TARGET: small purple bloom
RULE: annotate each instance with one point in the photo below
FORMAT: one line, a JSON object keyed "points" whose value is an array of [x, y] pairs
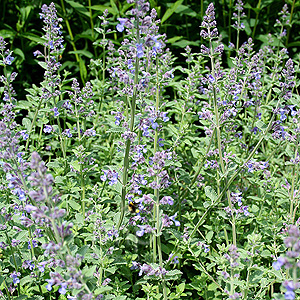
{"points": [[15, 276], [139, 50], [289, 295], [120, 26], [63, 288], [211, 78], [48, 129], [206, 248], [245, 210], [177, 223], [49, 285], [8, 60], [104, 177], [56, 112], [164, 116], [160, 144], [24, 134], [279, 263], [141, 231], [167, 200]]}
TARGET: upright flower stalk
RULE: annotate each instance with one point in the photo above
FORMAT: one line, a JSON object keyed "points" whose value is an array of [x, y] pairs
{"points": [[53, 48], [131, 127], [210, 32]]}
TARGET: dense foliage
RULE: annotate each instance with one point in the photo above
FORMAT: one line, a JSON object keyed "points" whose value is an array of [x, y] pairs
{"points": [[134, 170]]}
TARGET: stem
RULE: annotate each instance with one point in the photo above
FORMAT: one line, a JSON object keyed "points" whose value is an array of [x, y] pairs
{"points": [[33, 123], [128, 142], [218, 134], [256, 19], [156, 213]]}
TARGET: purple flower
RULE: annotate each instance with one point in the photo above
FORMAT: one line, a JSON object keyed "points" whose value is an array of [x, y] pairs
{"points": [[141, 231], [56, 112], [120, 26], [68, 133], [63, 288], [49, 285], [139, 50], [292, 107], [106, 281], [177, 223], [160, 144], [206, 248], [245, 210], [104, 177], [289, 295], [48, 129], [24, 134], [8, 60], [15, 276], [211, 78], [166, 200]]}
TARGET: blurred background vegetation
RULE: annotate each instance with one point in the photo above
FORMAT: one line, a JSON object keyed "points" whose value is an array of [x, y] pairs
{"points": [[180, 20]]}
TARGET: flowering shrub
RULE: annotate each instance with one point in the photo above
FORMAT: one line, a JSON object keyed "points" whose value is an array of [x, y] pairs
{"points": [[152, 180]]}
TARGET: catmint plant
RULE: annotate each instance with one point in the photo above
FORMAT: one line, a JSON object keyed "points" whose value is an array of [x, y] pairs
{"points": [[158, 175]]}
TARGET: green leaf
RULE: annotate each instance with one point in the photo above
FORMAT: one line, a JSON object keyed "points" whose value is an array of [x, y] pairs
{"points": [[15, 259], [261, 125], [43, 64], [27, 123], [79, 8], [174, 39], [180, 288], [74, 205], [83, 70], [185, 10], [210, 193], [82, 52], [23, 104], [114, 6], [88, 272], [184, 43], [116, 129], [20, 53], [33, 37], [170, 11]]}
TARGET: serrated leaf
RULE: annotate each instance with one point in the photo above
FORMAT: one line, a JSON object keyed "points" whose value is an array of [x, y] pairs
{"points": [[27, 123], [210, 193]]}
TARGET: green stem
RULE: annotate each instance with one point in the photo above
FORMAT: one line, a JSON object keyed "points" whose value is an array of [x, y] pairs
{"points": [[128, 142], [256, 19], [33, 123], [218, 134]]}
